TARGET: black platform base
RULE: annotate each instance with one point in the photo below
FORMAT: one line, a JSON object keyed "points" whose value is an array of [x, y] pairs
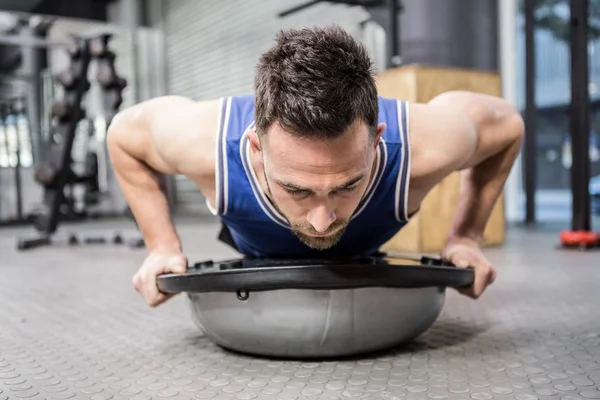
{"points": [[244, 275]]}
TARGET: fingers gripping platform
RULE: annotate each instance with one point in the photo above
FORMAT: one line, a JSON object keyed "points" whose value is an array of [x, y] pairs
{"points": [[465, 253], [144, 281]]}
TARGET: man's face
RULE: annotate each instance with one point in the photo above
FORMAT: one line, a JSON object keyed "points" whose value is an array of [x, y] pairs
{"points": [[317, 185]]}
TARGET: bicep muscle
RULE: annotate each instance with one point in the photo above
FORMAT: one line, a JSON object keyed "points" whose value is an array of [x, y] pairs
{"points": [[458, 130]]}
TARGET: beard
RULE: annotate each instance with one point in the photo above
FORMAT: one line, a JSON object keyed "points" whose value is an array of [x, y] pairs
{"points": [[302, 232], [317, 243]]}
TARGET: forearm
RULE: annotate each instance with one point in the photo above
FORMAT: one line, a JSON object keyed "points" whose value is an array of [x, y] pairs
{"points": [[482, 184], [143, 191]]}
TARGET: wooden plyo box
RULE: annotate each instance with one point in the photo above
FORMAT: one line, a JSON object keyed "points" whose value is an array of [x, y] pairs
{"points": [[427, 231]]}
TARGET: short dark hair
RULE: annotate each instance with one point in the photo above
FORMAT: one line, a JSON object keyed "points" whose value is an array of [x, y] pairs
{"points": [[315, 82]]}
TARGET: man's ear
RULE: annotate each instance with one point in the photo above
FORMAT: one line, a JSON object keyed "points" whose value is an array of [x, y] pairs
{"points": [[380, 129], [255, 145]]}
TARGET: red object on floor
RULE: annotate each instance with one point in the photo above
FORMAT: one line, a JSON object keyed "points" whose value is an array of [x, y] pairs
{"points": [[580, 238]]}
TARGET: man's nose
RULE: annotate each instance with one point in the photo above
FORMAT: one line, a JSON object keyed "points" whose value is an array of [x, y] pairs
{"points": [[321, 217]]}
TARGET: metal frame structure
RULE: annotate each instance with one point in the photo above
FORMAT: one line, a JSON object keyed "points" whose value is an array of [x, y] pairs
{"points": [[394, 7], [580, 125], [16, 40], [580, 117], [6, 109], [308, 4], [30, 37], [529, 167]]}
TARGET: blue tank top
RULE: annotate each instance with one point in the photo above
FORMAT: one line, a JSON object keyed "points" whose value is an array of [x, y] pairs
{"points": [[259, 230]]}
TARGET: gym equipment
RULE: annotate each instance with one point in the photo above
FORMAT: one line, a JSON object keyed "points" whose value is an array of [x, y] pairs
{"points": [[15, 40], [55, 173], [311, 308], [24, 56], [11, 155], [392, 9], [15, 154], [580, 239], [580, 235], [530, 142]]}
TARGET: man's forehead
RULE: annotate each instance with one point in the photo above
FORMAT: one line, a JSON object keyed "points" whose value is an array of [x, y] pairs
{"points": [[298, 161]]}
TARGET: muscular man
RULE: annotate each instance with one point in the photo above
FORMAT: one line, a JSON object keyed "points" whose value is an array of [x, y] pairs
{"points": [[314, 163]]}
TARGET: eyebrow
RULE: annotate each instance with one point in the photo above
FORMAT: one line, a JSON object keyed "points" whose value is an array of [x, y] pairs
{"points": [[345, 185]]}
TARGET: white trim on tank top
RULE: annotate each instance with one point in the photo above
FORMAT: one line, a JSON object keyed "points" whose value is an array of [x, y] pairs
{"points": [[401, 205], [220, 149]]}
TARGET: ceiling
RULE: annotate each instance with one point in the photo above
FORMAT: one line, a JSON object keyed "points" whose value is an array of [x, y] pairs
{"points": [[18, 5], [82, 9]]}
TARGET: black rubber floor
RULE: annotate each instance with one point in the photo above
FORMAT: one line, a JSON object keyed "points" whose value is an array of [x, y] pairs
{"points": [[71, 327]]}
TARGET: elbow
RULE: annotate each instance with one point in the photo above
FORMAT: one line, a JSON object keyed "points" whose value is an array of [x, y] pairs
{"points": [[120, 138], [119, 128], [113, 135], [515, 127]]}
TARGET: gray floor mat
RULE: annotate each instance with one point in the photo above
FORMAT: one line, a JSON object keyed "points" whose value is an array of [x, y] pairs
{"points": [[71, 326]]}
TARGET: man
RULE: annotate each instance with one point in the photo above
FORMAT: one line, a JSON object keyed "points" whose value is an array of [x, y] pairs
{"points": [[314, 163]]}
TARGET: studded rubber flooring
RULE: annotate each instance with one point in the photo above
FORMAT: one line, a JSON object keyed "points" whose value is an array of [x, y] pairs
{"points": [[72, 327]]}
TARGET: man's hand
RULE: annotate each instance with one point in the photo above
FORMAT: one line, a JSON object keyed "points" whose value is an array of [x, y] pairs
{"points": [[465, 252], [157, 263]]}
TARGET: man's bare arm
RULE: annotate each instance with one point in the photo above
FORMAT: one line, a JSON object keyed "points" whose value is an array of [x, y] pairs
{"points": [[165, 135], [477, 134]]}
